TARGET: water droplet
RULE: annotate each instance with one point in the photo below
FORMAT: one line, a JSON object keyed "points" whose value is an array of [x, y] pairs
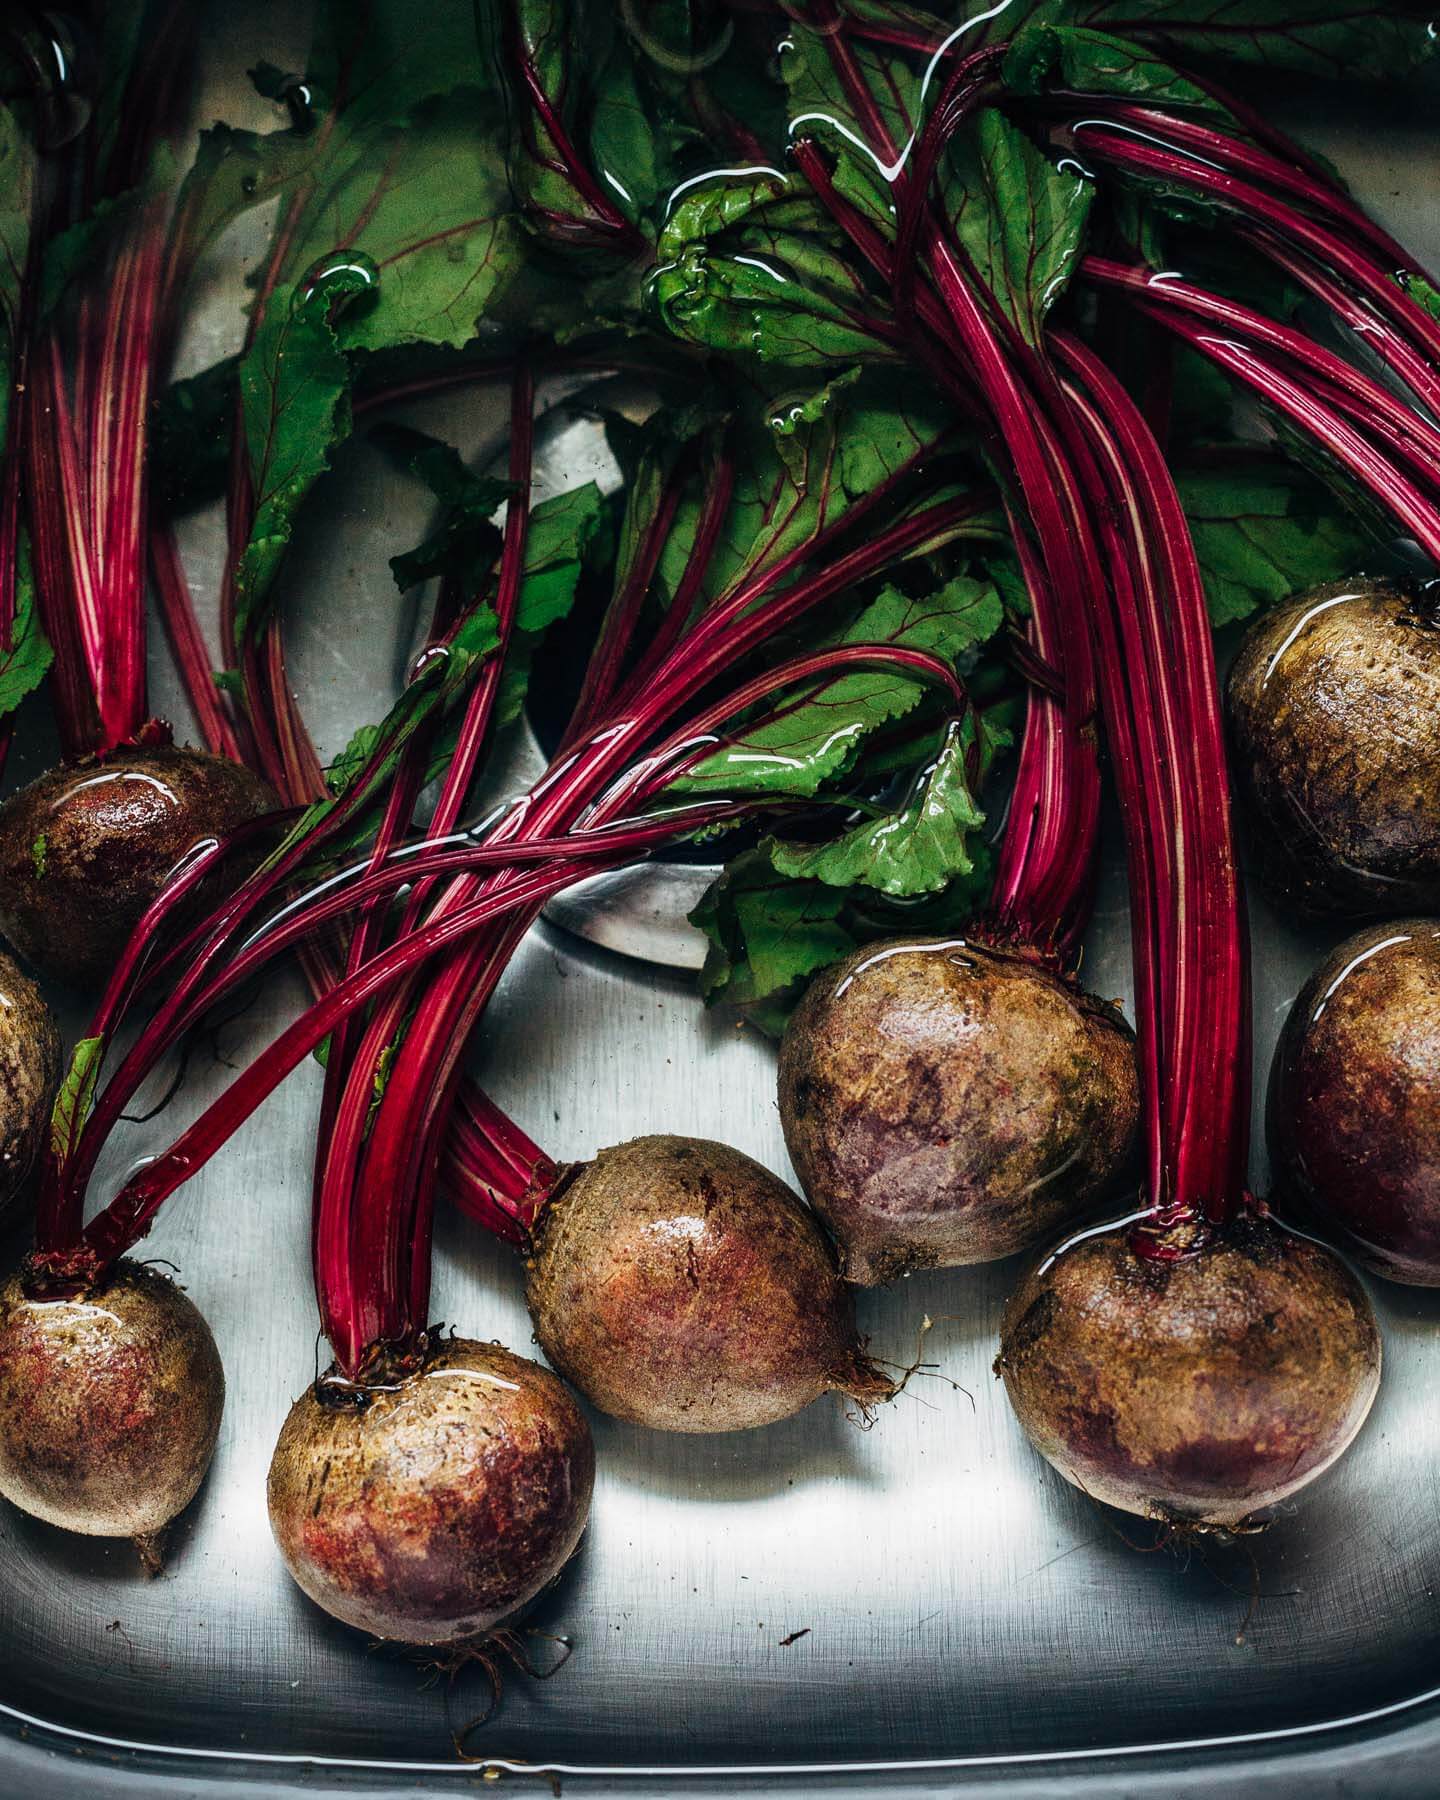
{"points": [[432, 658], [338, 278], [299, 99], [58, 61]]}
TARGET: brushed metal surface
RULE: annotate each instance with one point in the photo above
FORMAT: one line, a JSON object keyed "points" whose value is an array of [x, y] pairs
{"points": [[963, 1609]]}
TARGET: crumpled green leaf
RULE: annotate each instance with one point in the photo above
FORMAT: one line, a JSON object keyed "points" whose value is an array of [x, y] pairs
{"points": [[749, 265], [922, 846], [561, 533]]}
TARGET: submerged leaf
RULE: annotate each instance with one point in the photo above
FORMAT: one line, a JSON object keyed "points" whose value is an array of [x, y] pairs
{"points": [[1264, 531]]}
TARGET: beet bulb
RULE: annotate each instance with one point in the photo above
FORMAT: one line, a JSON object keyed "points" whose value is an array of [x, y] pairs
{"points": [[1334, 709], [680, 1285], [946, 1103], [430, 1505], [29, 1078], [1354, 1105], [85, 849], [1199, 1390], [110, 1403]]}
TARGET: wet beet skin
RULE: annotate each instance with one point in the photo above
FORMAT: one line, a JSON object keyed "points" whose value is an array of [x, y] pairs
{"points": [[29, 1077], [85, 849], [1354, 1113], [110, 1403], [681, 1285], [442, 1507], [1334, 713], [1201, 1390], [944, 1103]]}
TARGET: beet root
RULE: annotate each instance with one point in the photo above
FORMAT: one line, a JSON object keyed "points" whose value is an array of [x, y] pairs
{"points": [[945, 1103], [29, 1077], [85, 849], [1354, 1108], [110, 1403], [680, 1285], [1202, 1390], [430, 1508], [1334, 709]]}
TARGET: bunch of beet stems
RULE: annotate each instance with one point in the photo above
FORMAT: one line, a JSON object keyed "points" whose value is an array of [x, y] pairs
{"points": [[390, 1150], [1046, 867], [1157, 683], [90, 377], [1167, 750], [372, 1253], [381, 1162], [1290, 212]]}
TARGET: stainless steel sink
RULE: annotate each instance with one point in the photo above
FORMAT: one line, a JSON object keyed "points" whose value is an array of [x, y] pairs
{"points": [[921, 1605]]}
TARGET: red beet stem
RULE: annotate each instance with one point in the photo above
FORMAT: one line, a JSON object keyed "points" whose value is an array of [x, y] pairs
{"points": [[1276, 228], [349, 1098], [1046, 867], [1162, 714]]}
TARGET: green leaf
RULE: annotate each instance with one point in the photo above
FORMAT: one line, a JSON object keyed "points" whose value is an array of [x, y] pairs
{"points": [[1020, 216], [397, 229], [563, 533], [1423, 293], [560, 533], [1092, 62], [1265, 531], [767, 934], [190, 437], [295, 403], [72, 1103], [467, 540], [921, 847], [583, 66], [1335, 39], [747, 266], [428, 206], [811, 737], [27, 657], [790, 487], [821, 107]]}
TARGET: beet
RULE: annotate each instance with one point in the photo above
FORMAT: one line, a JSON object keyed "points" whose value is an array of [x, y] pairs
{"points": [[85, 849], [1334, 708], [681, 1285], [29, 1077], [1354, 1106], [1199, 1390], [432, 1506], [945, 1103], [110, 1403]]}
